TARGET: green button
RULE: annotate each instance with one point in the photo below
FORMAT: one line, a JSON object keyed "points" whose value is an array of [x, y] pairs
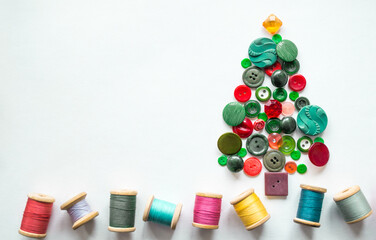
{"points": [[293, 96], [229, 143], [319, 139], [287, 50], [263, 94], [253, 77], [257, 144], [288, 125], [235, 163], [277, 38], [291, 67], [252, 108], [301, 102], [242, 153], [279, 78], [222, 160], [304, 143], [273, 125], [302, 168], [246, 63], [296, 155], [233, 114], [288, 145], [280, 94], [263, 116], [274, 161]]}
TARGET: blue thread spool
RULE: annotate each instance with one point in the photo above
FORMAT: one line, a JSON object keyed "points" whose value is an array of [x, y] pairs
{"points": [[310, 205], [162, 212]]}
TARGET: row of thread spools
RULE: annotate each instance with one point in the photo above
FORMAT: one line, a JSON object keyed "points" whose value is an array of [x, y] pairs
{"points": [[207, 210]]}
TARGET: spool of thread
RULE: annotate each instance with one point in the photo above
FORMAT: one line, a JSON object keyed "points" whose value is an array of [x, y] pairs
{"points": [[353, 204], [250, 209], [79, 210], [310, 205], [207, 210], [36, 215], [162, 212], [122, 211]]}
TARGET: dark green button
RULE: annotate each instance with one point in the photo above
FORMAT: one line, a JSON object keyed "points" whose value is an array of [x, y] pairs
{"points": [[279, 78], [235, 163], [288, 125], [277, 38], [280, 94], [246, 63], [291, 67], [253, 77], [257, 144], [252, 108], [229, 143], [222, 160], [293, 96], [287, 50], [263, 94], [288, 145], [233, 114], [301, 102], [273, 125], [274, 161], [263, 116], [296, 155], [319, 139], [304, 143], [242, 153], [302, 168]]}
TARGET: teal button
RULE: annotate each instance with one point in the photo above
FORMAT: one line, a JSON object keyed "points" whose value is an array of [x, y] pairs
{"points": [[312, 120], [233, 114], [262, 52], [287, 50]]}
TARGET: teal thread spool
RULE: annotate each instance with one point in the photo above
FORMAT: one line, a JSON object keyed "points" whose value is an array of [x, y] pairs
{"points": [[122, 211], [162, 212], [353, 204], [310, 205]]}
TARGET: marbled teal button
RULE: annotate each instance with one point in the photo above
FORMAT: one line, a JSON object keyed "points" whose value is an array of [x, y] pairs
{"points": [[312, 120], [262, 52]]}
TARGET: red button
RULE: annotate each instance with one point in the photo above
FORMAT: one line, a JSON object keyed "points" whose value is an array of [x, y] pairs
{"points": [[297, 82], [319, 154], [244, 129], [269, 70], [252, 166], [242, 93], [259, 124], [273, 108]]}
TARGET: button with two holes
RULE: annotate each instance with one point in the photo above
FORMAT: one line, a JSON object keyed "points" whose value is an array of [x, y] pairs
{"points": [[274, 161], [253, 77], [257, 144]]}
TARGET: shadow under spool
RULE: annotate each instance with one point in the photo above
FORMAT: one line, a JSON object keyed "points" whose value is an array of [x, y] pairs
{"points": [[43, 200], [122, 211], [308, 205], [353, 204], [150, 206], [71, 203], [212, 210], [254, 203]]}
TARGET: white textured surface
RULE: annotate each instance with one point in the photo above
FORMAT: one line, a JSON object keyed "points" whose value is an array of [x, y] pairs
{"points": [[97, 95]]}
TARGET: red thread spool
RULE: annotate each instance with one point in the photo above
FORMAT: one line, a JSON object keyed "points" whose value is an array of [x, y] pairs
{"points": [[36, 215], [207, 210]]}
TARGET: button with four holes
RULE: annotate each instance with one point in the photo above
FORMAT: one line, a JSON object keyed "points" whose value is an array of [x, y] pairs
{"points": [[253, 77], [274, 161]]}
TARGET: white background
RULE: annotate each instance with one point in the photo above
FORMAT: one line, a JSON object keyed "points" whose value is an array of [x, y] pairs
{"points": [[97, 95]]}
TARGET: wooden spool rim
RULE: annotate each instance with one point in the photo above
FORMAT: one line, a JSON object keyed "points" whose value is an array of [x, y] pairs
{"points": [[124, 192], [203, 226], [242, 196], [259, 223], [348, 192], [362, 218], [121, 230], [176, 216], [41, 197], [68, 204], [209, 195], [308, 223], [313, 188], [85, 219], [31, 235], [147, 208]]}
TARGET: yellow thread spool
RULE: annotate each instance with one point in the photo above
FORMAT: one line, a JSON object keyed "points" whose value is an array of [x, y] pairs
{"points": [[250, 209]]}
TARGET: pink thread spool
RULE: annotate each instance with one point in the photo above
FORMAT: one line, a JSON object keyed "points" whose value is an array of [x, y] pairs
{"points": [[207, 210]]}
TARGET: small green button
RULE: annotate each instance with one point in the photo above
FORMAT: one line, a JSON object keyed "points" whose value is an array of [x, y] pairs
{"points": [[233, 114], [291, 67], [246, 63], [302, 168], [288, 145], [319, 139], [277, 38], [273, 125], [235, 163], [280, 94], [296, 155], [229, 143], [304, 143], [263, 116], [263, 94], [222, 160], [252, 108], [293, 96], [242, 153], [287, 50]]}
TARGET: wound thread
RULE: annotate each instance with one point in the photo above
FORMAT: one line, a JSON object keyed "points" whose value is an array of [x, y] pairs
{"points": [[207, 210], [122, 211]]}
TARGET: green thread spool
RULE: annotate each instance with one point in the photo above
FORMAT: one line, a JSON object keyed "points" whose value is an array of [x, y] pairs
{"points": [[122, 211], [162, 212], [353, 204]]}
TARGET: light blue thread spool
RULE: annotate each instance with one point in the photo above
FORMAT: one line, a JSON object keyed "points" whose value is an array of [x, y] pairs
{"points": [[162, 212], [310, 205], [353, 204]]}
